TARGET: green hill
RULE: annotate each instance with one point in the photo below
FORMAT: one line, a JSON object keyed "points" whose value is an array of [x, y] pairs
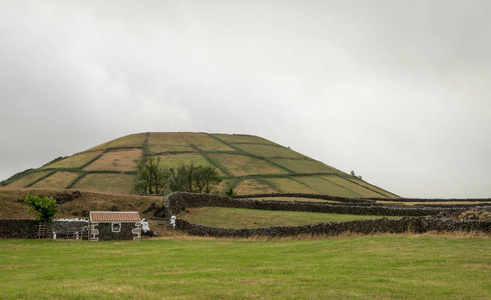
{"points": [[249, 164]]}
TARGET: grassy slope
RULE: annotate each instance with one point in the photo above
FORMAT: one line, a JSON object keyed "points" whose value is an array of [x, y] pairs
{"points": [[13, 206], [250, 164], [251, 218], [375, 267]]}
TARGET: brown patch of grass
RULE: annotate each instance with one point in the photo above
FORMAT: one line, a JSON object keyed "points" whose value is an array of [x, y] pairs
{"points": [[323, 186], [251, 186], [116, 160], [304, 237], [287, 185], [206, 143], [168, 161], [361, 190], [167, 142], [305, 166]]}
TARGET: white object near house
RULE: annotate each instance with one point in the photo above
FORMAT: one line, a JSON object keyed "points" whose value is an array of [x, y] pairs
{"points": [[145, 227], [173, 221]]}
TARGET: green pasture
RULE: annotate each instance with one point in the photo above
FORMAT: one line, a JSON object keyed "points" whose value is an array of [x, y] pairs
{"points": [[269, 151], [58, 180], [242, 165], [323, 186], [107, 183], [305, 166], [253, 218], [168, 161], [75, 161], [242, 139], [373, 267]]}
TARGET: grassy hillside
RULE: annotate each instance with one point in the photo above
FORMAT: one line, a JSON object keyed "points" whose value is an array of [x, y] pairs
{"points": [[249, 164], [14, 207]]}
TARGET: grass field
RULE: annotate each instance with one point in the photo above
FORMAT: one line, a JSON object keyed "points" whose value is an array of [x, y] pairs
{"points": [[241, 165], [374, 267], [175, 160], [252, 218], [116, 160], [107, 183], [75, 161], [30, 178], [58, 180], [251, 186]]}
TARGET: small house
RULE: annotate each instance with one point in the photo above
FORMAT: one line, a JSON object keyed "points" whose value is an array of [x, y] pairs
{"points": [[114, 225]]}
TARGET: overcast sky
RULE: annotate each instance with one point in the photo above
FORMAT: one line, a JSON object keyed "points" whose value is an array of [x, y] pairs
{"points": [[398, 91]]}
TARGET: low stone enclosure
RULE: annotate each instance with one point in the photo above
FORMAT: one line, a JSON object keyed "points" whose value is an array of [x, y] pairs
{"points": [[29, 229], [418, 219]]}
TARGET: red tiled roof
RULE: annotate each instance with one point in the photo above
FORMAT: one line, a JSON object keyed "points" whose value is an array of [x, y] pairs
{"points": [[114, 216]]}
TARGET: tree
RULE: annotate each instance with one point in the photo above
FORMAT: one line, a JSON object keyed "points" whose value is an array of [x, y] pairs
{"points": [[189, 178], [206, 179], [151, 178], [46, 207]]}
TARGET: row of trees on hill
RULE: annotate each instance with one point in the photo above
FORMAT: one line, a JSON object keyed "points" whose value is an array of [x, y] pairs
{"points": [[152, 178]]}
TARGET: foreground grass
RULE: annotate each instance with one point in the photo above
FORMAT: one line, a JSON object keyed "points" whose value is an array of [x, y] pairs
{"points": [[253, 218], [404, 267]]}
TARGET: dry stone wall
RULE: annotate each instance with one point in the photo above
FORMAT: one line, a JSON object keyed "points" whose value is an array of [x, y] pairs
{"points": [[18, 229], [28, 229], [67, 227], [308, 196], [179, 201], [382, 225], [358, 200], [415, 220]]}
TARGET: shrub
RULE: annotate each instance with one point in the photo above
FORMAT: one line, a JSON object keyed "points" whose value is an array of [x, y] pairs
{"points": [[45, 207]]}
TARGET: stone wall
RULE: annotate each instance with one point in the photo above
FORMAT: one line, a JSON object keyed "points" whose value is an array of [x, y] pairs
{"points": [[372, 226], [179, 201], [308, 196], [18, 229], [346, 199], [413, 220], [67, 227]]}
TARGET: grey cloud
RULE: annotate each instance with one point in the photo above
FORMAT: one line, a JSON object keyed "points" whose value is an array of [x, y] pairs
{"points": [[396, 90]]}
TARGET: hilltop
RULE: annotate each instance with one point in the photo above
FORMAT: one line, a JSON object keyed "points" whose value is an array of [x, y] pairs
{"points": [[249, 164]]}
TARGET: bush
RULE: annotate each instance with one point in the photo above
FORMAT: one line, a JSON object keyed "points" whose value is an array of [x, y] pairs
{"points": [[46, 207]]}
